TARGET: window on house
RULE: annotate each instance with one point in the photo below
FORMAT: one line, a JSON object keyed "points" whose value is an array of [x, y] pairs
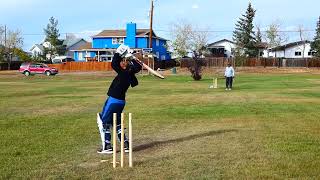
{"points": [[117, 40], [157, 42], [121, 40], [298, 53], [311, 53], [158, 54], [261, 54], [163, 57]]}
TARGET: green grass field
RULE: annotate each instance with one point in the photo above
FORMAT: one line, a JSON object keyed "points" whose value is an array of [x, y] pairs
{"points": [[268, 127]]}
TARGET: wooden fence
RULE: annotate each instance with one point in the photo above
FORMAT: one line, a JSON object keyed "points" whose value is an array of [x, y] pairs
{"points": [[83, 66], [186, 62], [253, 62], [91, 66]]}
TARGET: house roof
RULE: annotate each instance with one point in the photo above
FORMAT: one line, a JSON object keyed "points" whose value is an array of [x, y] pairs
{"points": [[212, 44], [87, 45], [37, 45], [121, 33], [262, 45], [297, 43], [71, 42]]}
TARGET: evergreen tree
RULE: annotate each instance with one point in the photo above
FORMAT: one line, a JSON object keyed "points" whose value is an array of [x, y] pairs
{"points": [[244, 35], [315, 45], [52, 36], [258, 36]]}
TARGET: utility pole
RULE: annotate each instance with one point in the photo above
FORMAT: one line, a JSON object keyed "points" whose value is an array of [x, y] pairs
{"points": [[151, 19]]}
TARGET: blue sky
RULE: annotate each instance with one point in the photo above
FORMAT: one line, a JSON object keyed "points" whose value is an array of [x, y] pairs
{"points": [[85, 18]]}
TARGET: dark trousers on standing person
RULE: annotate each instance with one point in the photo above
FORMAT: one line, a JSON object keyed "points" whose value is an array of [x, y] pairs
{"points": [[229, 82]]}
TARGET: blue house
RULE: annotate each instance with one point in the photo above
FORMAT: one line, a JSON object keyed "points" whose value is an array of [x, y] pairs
{"points": [[105, 43]]}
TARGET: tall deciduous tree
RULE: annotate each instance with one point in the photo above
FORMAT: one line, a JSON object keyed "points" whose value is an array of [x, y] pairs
{"points": [[1, 43], [52, 36], [273, 35], [315, 45], [189, 40], [13, 41], [244, 35]]}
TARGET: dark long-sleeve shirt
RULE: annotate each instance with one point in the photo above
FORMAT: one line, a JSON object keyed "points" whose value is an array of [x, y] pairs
{"points": [[124, 78]]}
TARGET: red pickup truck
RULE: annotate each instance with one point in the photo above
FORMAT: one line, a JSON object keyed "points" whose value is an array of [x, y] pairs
{"points": [[37, 68]]}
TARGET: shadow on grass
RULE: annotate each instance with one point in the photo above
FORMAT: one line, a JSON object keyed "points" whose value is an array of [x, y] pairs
{"points": [[181, 139]]}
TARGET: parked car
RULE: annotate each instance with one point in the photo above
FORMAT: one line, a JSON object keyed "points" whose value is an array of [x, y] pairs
{"points": [[37, 68], [62, 59]]}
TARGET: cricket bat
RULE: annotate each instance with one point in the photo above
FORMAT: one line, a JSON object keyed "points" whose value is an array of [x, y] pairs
{"points": [[155, 73]]}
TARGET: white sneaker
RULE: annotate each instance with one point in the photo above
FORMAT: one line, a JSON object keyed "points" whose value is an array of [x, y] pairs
{"points": [[108, 150], [229, 89], [105, 151], [226, 89]]}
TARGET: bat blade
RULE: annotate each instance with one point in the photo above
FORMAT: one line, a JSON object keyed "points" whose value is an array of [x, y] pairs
{"points": [[153, 71]]}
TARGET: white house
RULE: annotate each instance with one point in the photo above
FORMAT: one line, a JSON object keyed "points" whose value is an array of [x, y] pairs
{"points": [[36, 50], [222, 48], [299, 49], [226, 48]]}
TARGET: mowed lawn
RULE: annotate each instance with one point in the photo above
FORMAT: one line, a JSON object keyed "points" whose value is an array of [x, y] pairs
{"points": [[267, 127]]}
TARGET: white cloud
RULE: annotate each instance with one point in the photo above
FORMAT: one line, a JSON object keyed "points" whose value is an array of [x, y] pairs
{"points": [[195, 6]]}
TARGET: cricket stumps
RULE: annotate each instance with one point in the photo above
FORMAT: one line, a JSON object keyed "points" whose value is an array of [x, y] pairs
{"points": [[215, 85], [122, 152]]}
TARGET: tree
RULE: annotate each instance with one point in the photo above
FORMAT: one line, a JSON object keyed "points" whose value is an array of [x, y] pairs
{"points": [[189, 40], [315, 45], [244, 35], [258, 35], [302, 39], [13, 41], [52, 36], [181, 44], [274, 37], [23, 56], [2, 47]]}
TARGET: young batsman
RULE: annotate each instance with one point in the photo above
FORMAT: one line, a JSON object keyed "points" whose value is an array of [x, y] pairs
{"points": [[126, 70]]}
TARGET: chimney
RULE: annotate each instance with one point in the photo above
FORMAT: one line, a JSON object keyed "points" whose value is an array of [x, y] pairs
{"points": [[131, 32]]}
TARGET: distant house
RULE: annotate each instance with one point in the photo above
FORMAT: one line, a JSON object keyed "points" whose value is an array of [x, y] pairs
{"points": [[299, 49], [73, 44], [70, 44], [263, 49], [226, 48], [37, 50], [222, 48], [104, 44]]}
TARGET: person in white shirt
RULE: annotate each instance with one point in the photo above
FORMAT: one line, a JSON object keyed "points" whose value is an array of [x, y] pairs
{"points": [[229, 75]]}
